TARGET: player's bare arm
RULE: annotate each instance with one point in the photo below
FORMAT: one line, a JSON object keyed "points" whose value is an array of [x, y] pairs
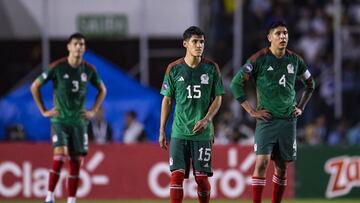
{"points": [[213, 109], [89, 114], [261, 114], [309, 89], [35, 91], [165, 112]]}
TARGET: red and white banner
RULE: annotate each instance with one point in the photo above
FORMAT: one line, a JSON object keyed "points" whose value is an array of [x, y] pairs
{"points": [[119, 171]]}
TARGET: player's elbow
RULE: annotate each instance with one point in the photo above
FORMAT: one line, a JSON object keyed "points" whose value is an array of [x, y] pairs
{"points": [[103, 90], [166, 101], [35, 86], [310, 84]]}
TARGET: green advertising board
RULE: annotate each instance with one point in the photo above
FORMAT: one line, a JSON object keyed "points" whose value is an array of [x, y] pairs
{"points": [[327, 172], [103, 25]]}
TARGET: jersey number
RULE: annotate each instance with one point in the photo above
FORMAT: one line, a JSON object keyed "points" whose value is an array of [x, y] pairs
{"points": [[282, 80], [75, 86], [206, 154], [193, 92]]}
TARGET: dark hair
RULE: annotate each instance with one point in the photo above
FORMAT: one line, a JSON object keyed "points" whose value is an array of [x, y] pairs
{"points": [[275, 24], [132, 114], [193, 30], [76, 35]]}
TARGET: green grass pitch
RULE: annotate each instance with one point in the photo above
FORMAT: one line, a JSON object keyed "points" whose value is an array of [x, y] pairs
{"points": [[191, 201]]}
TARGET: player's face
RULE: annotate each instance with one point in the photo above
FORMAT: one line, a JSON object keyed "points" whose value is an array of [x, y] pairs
{"points": [[279, 37], [76, 47], [195, 45]]}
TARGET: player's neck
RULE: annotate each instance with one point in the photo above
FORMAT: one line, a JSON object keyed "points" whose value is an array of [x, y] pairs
{"points": [[277, 52], [74, 61], [192, 61]]}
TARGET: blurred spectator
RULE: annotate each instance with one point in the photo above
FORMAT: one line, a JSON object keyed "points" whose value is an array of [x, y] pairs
{"points": [[353, 135], [315, 133], [15, 133], [338, 135], [134, 130], [99, 130]]}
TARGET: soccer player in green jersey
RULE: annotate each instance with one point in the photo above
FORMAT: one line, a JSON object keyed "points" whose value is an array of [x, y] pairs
{"points": [[274, 70], [69, 118], [195, 84]]}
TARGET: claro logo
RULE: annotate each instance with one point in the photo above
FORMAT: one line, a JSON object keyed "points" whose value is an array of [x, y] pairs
{"points": [[230, 182], [344, 175], [23, 179]]}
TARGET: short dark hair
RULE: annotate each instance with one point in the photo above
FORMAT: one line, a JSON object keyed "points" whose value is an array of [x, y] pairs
{"points": [[275, 24], [192, 30], [76, 35], [132, 114]]}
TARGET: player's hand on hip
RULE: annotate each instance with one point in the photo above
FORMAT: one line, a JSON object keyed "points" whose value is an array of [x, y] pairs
{"points": [[89, 114], [297, 112], [262, 114], [162, 141], [50, 113], [200, 125]]}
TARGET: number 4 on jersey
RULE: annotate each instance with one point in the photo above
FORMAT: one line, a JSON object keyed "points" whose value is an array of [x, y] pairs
{"points": [[282, 80]]}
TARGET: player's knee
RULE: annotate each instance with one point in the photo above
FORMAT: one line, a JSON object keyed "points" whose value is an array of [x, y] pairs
{"points": [[177, 177], [203, 183], [74, 165]]}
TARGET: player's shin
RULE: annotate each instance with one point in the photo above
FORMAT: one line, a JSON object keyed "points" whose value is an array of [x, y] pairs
{"points": [[203, 187], [278, 189], [258, 185], [54, 175], [176, 186], [73, 179]]}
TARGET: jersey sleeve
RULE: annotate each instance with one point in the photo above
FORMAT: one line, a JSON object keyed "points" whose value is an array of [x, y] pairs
{"points": [[303, 72], [167, 88], [302, 67], [218, 87], [237, 85], [95, 78], [47, 75]]}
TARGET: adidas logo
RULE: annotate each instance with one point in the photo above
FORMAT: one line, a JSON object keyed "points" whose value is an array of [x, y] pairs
{"points": [[270, 68], [66, 76], [206, 165], [181, 79]]}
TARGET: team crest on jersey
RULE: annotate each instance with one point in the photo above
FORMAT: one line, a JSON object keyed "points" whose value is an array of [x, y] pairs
{"points": [[204, 79], [290, 68], [66, 76], [83, 77]]}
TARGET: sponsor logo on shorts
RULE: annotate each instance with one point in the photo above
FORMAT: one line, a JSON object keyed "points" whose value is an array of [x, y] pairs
{"points": [[171, 162], [55, 138]]}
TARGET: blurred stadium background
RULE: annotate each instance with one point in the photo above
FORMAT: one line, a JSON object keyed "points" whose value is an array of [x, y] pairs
{"points": [[131, 43]]}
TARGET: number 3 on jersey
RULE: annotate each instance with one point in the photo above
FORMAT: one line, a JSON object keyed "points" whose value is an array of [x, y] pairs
{"points": [[75, 86], [282, 80], [193, 92]]}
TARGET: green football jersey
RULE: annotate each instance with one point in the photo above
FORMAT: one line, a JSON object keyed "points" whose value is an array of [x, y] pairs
{"points": [[70, 89], [275, 80], [193, 89]]}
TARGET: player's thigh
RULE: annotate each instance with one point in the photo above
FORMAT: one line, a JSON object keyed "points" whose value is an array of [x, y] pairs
{"points": [[287, 140], [78, 140], [179, 155], [201, 155], [59, 135], [266, 134]]}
